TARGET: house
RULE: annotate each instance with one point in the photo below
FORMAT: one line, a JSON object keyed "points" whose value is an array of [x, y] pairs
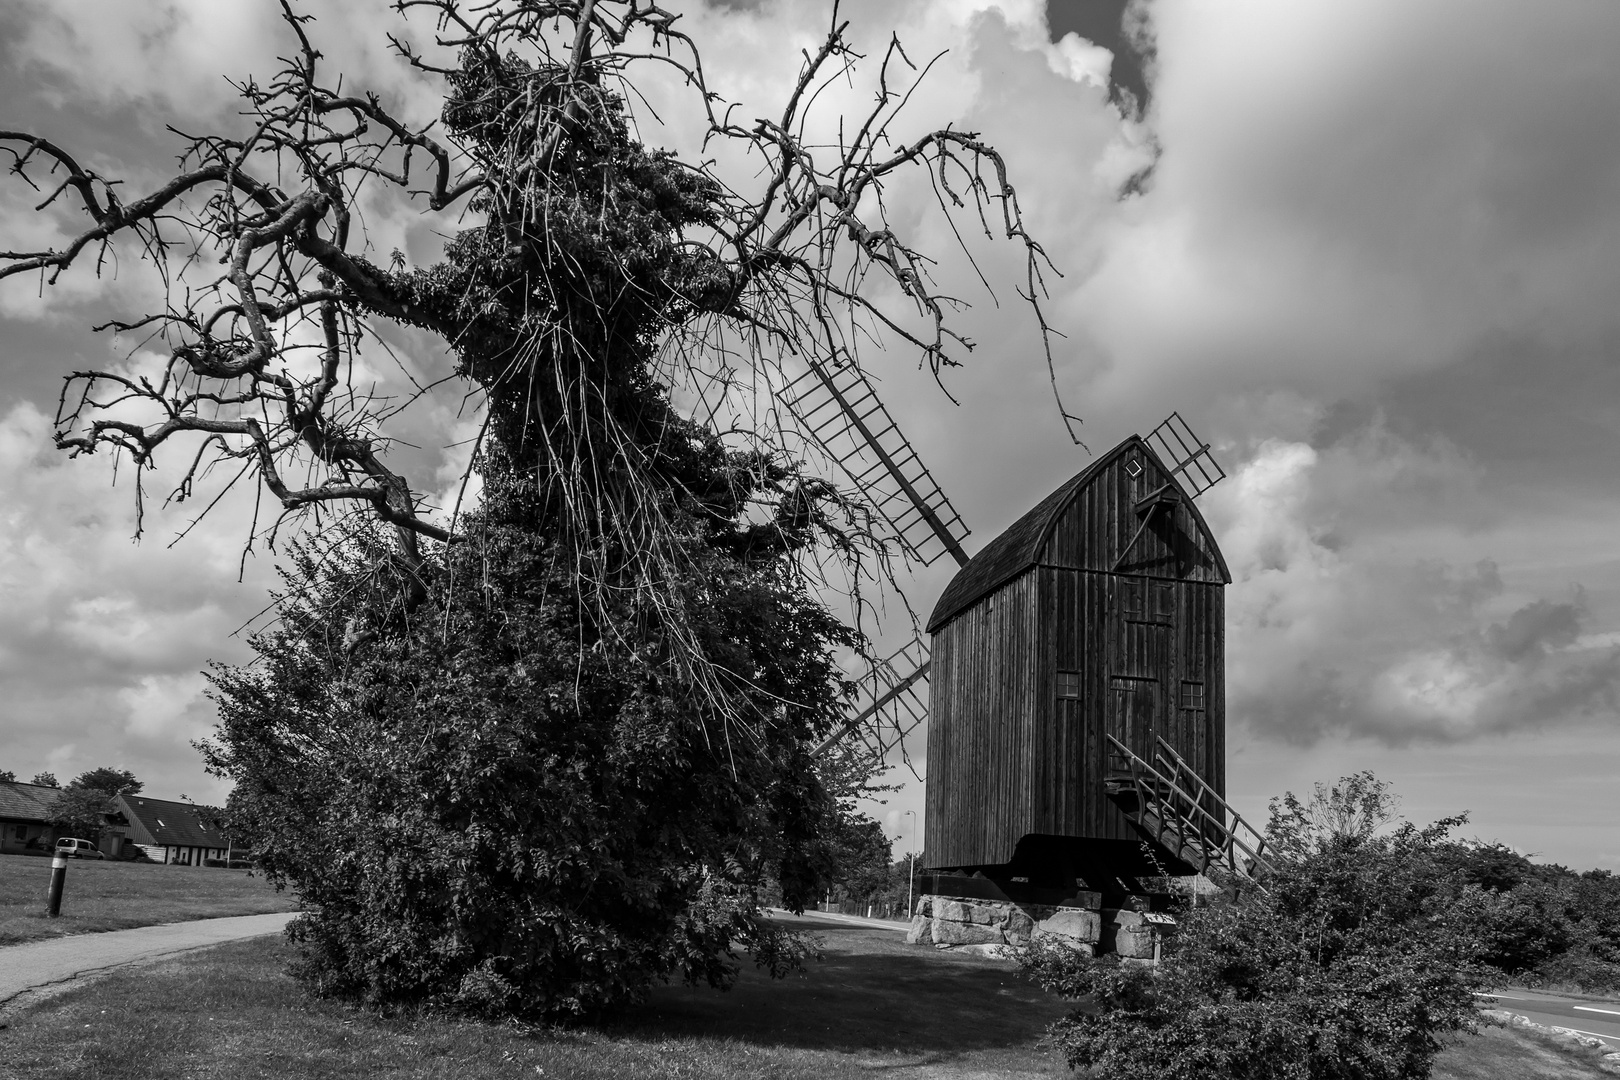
{"points": [[25, 817], [173, 832]]}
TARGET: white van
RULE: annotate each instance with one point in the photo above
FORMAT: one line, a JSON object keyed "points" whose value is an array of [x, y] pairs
{"points": [[77, 849]]}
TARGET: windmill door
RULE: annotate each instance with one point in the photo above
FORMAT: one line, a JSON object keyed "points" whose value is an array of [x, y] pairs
{"points": [[1140, 665], [1132, 716]]}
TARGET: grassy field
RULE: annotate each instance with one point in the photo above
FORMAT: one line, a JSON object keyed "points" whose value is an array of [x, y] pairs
{"points": [[118, 895], [872, 1007]]}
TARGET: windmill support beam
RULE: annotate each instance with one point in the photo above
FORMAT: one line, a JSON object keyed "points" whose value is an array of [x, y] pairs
{"points": [[917, 675]]}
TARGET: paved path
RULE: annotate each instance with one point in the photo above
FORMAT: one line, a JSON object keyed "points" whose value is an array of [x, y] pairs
{"points": [[851, 920], [41, 963]]}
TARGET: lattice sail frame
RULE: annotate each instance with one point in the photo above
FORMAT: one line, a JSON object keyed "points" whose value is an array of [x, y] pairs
{"points": [[839, 410], [1185, 455], [891, 706]]}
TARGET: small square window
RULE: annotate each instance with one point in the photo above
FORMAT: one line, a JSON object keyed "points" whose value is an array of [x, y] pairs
{"points": [[1133, 467], [1192, 695], [1068, 684]]}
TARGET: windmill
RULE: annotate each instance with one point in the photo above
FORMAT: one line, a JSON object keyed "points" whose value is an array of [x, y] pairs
{"points": [[839, 409], [1159, 793]]}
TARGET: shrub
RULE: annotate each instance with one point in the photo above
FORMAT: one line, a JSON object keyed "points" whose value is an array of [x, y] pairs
{"points": [[496, 809], [1356, 958]]}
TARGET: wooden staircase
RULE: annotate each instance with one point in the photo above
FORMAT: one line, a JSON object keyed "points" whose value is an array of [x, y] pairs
{"points": [[1170, 804]]}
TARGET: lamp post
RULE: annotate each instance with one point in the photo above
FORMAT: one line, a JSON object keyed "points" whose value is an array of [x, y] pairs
{"points": [[911, 861]]}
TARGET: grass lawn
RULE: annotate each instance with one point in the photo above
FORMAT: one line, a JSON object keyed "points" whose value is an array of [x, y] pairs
{"points": [[873, 1007], [118, 895]]}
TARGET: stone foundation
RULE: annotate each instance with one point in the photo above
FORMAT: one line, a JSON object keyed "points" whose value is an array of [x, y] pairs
{"points": [[993, 928]]}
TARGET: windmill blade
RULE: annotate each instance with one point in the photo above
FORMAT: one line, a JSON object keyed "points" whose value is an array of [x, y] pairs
{"points": [[839, 409], [893, 706], [1186, 456]]}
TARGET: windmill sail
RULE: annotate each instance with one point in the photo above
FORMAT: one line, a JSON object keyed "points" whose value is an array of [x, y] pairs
{"points": [[893, 707], [1188, 459], [839, 409]]}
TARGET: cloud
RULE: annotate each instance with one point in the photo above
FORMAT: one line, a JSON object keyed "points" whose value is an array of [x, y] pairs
{"points": [[103, 639], [1332, 630]]}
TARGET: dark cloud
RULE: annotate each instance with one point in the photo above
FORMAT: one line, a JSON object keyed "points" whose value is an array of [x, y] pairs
{"points": [[1121, 27]]}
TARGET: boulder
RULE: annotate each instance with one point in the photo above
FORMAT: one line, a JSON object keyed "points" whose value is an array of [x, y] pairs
{"points": [[1135, 942], [1072, 923], [987, 912], [921, 932], [947, 932]]}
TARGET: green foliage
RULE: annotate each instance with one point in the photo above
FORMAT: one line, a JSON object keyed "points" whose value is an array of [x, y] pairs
{"points": [[81, 808], [1359, 955], [80, 811], [500, 807], [112, 781], [44, 779], [9, 777], [1543, 924]]}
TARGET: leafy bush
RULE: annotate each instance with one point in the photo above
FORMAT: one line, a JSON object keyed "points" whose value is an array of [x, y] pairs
{"points": [[1356, 958], [500, 810]]}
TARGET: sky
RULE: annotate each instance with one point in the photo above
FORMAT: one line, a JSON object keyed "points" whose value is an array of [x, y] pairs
{"points": [[1367, 249]]}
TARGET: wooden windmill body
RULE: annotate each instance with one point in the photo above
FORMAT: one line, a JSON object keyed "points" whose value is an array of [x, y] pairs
{"points": [[1076, 728], [1100, 612]]}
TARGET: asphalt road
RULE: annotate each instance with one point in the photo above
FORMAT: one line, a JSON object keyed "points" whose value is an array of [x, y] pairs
{"points": [[1600, 1018], [41, 963]]}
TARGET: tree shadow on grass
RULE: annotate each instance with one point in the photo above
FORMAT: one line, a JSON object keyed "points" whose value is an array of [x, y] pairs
{"points": [[871, 993]]}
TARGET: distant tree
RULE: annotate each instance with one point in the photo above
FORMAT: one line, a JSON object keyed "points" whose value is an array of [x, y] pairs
{"points": [[1358, 956], [80, 811], [46, 779], [114, 782], [9, 777], [81, 808]]}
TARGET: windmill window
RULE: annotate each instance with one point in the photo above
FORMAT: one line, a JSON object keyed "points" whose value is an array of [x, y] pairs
{"points": [[1192, 695], [1133, 467], [1068, 684]]}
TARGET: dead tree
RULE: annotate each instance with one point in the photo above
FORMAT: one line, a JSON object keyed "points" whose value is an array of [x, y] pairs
{"points": [[584, 268]]}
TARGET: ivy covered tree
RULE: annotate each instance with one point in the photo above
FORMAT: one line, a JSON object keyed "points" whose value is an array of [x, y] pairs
{"points": [[535, 753]]}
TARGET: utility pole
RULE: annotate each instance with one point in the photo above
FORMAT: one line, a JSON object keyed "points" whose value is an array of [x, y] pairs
{"points": [[911, 863]]}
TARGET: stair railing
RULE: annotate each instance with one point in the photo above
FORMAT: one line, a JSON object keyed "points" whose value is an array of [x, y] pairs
{"points": [[1181, 812]]}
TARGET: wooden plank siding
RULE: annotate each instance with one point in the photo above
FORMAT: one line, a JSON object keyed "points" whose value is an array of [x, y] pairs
{"points": [[982, 687], [1028, 678]]}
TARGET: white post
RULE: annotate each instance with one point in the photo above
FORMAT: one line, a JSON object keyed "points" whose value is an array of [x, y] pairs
{"points": [[911, 865]]}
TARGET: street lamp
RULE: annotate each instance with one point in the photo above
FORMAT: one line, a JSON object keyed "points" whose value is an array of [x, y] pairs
{"points": [[911, 861]]}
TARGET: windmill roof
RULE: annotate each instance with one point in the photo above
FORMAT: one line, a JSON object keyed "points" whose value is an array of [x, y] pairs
{"points": [[1019, 547], [26, 802], [179, 823]]}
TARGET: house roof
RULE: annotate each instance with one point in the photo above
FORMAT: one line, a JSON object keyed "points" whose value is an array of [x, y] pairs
{"points": [[1019, 547], [26, 802], [178, 823]]}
